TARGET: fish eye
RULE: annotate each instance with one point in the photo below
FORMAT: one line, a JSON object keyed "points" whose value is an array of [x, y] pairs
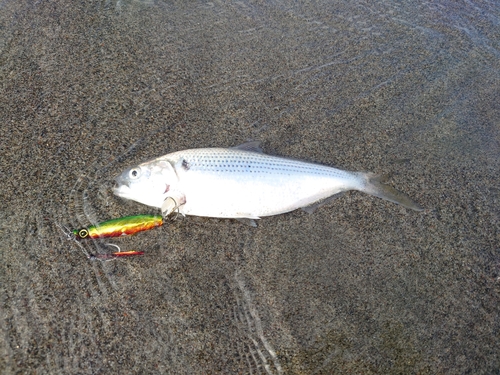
{"points": [[134, 173]]}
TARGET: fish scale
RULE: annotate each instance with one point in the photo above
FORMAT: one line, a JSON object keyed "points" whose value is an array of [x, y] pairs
{"points": [[219, 160], [242, 182]]}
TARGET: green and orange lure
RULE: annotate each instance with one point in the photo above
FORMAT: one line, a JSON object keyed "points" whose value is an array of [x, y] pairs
{"points": [[113, 228], [121, 226]]}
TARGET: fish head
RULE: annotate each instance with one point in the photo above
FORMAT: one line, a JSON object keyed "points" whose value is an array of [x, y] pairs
{"points": [[147, 183]]}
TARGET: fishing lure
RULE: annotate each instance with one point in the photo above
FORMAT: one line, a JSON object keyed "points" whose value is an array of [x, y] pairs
{"points": [[102, 257], [121, 226]]}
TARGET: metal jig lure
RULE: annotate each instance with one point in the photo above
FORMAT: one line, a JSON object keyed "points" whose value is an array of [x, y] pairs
{"points": [[119, 227], [114, 228]]}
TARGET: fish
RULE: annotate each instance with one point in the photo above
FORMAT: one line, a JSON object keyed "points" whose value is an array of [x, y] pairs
{"points": [[243, 183], [121, 226]]}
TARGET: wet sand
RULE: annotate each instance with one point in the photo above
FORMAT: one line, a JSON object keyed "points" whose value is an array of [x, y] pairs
{"points": [[361, 286]]}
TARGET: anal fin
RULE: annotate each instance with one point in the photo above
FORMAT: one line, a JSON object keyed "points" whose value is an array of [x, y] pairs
{"points": [[313, 207], [247, 221]]}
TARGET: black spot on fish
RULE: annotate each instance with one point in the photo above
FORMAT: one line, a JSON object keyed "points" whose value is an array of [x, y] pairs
{"points": [[185, 165]]}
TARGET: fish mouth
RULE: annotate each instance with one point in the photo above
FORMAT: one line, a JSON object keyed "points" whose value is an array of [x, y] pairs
{"points": [[121, 187], [121, 190]]}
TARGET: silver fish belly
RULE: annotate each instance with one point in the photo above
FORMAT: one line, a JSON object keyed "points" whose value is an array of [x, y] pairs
{"points": [[241, 182]]}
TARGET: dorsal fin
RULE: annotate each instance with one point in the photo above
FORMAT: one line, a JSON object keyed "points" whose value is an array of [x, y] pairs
{"points": [[253, 146]]}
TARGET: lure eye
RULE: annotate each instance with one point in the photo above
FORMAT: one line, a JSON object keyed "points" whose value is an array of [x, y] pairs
{"points": [[83, 233], [134, 173]]}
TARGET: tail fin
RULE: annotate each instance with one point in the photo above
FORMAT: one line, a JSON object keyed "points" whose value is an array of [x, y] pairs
{"points": [[374, 186]]}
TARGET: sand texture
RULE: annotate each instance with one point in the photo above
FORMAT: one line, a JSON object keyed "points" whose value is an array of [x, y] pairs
{"points": [[362, 286]]}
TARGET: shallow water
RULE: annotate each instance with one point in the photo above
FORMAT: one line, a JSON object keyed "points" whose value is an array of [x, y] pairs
{"points": [[360, 286]]}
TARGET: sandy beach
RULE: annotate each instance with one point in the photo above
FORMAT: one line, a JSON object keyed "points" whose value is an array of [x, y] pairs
{"points": [[361, 286]]}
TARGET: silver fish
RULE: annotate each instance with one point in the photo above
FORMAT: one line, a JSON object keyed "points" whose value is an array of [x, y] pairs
{"points": [[242, 183]]}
